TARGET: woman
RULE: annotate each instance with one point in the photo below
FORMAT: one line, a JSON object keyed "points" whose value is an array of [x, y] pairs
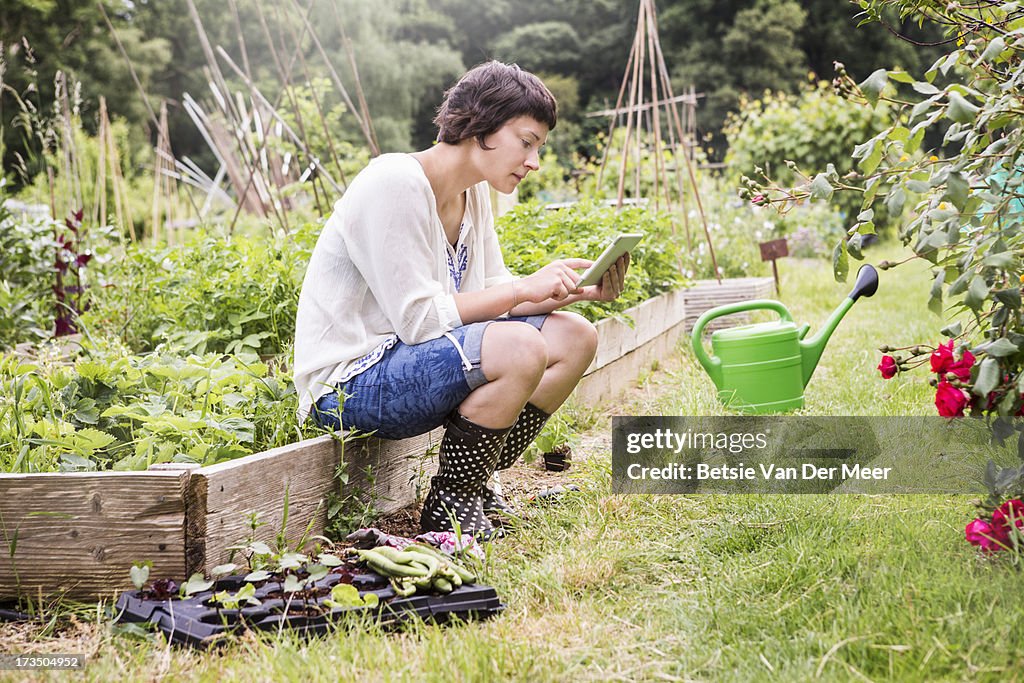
{"points": [[407, 308]]}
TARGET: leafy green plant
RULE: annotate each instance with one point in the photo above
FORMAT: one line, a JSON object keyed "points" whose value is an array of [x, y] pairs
{"points": [[244, 596], [346, 595], [558, 435], [778, 133], [27, 247], [109, 411], [532, 237], [213, 293], [197, 583], [139, 574]]}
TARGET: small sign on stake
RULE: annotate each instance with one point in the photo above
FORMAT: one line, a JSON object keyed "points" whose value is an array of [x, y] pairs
{"points": [[772, 250]]}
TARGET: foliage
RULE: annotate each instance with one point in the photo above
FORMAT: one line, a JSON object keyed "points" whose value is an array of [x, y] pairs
{"points": [[532, 237], [728, 49], [115, 411], [41, 38], [402, 75], [342, 158], [213, 293], [549, 183], [811, 130], [544, 45], [26, 262], [965, 207], [557, 433]]}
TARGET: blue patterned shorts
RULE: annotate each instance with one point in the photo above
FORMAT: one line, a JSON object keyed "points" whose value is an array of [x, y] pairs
{"points": [[412, 389]]}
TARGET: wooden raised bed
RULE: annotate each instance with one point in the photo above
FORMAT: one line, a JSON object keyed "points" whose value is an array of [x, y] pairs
{"points": [[707, 294], [79, 533]]}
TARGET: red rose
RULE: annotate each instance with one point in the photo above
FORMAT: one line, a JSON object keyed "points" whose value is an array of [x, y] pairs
{"points": [[949, 400], [758, 199], [962, 368], [942, 358], [888, 367], [1009, 513], [981, 533]]}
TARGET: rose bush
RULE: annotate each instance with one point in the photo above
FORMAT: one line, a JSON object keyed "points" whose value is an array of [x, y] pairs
{"points": [[962, 206], [999, 531]]}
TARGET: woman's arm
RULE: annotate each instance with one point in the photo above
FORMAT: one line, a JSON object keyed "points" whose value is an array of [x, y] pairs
{"points": [[547, 290], [608, 289]]}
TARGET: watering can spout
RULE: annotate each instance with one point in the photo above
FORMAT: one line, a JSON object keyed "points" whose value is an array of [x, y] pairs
{"points": [[811, 349]]}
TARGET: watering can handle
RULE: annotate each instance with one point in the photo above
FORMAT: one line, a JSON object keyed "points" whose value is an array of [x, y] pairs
{"points": [[712, 364]]}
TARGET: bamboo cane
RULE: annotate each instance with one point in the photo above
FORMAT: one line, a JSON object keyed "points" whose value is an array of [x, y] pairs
{"points": [[693, 184], [99, 205], [374, 149], [319, 106], [629, 125], [614, 119]]}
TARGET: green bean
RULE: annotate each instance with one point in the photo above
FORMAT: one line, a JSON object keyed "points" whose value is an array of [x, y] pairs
{"points": [[465, 576], [403, 588], [452, 576], [383, 565], [431, 561]]}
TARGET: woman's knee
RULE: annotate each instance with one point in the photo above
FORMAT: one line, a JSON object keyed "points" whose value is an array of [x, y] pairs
{"points": [[571, 335], [513, 348]]}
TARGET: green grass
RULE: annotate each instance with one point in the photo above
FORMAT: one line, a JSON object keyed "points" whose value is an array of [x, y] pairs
{"points": [[732, 588]]}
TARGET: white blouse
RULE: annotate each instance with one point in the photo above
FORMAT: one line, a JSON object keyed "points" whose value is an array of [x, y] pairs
{"points": [[380, 273]]}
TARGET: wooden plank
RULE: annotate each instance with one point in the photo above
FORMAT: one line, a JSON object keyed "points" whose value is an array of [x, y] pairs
{"points": [[675, 308], [646, 324], [708, 294], [392, 474], [628, 342], [79, 533], [222, 498], [609, 344]]}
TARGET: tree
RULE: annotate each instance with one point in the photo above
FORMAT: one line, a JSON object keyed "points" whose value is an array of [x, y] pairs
{"points": [[549, 46], [42, 37], [967, 205]]}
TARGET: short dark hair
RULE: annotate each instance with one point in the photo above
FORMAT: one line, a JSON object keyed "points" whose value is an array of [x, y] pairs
{"points": [[489, 95]]}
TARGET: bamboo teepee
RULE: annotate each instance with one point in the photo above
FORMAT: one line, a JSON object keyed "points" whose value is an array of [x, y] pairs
{"points": [[651, 115]]}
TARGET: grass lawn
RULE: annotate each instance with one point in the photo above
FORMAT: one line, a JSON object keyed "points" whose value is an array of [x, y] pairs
{"points": [[726, 587]]}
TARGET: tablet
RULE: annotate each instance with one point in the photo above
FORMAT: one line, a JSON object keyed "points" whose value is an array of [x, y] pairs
{"points": [[619, 246]]}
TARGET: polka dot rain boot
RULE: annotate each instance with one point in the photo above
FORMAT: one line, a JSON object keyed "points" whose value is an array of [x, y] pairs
{"points": [[530, 423], [466, 460]]}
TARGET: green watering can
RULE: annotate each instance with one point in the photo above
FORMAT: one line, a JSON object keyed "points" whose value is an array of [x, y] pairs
{"points": [[764, 367]]}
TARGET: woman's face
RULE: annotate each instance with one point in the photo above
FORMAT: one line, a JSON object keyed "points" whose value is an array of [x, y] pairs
{"points": [[516, 152]]}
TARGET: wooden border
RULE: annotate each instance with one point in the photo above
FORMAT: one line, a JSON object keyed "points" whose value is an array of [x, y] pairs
{"points": [[79, 533], [708, 294], [224, 498]]}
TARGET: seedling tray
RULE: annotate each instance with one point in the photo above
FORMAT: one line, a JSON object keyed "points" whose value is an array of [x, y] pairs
{"points": [[197, 622]]}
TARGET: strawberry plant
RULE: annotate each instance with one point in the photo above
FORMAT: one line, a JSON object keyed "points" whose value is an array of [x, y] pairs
{"points": [[108, 411]]}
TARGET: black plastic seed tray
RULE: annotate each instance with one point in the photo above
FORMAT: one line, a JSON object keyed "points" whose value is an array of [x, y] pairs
{"points": [[198, 622], [8, 614]]}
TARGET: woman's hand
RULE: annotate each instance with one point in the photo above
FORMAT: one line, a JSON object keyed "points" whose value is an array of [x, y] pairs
{"points": [[612, 282], [557, 281]]}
